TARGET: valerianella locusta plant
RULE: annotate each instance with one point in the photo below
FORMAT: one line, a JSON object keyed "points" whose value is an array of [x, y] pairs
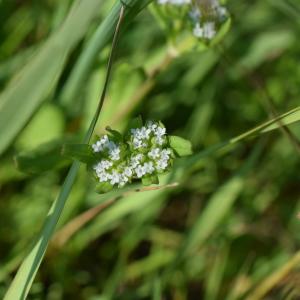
{"points": [[205, 16], [141, 154]]}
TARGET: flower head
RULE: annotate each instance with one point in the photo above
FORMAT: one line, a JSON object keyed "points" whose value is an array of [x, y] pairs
{"points": [[145, 153], [206, 15]]}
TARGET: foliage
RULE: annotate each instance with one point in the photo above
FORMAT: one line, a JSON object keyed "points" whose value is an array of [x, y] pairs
{"points": [[222, 224]]}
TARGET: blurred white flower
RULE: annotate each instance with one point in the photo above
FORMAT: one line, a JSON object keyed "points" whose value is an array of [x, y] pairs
{"points": [[209, 30], [198, 31], [174, 2]]}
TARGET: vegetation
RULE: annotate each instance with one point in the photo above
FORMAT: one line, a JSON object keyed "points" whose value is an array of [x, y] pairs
{"points": [[223, 222]]}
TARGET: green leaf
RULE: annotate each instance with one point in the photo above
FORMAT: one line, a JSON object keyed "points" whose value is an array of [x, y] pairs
{"points": [[45, 158], [181, 146], [103, 187], [136, 122], [116, 134], [80, 152], [34, 133], [221, 32], [151, 179], [264, 45]]}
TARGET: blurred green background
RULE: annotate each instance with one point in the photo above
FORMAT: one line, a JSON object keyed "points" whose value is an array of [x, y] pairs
{"points": [[229, 230]]}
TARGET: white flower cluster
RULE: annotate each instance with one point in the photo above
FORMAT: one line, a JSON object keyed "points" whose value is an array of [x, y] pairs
{"points": [[205, 15], [103, 144], [174, 2], [142, 136], [144, 154], [206, 31]]}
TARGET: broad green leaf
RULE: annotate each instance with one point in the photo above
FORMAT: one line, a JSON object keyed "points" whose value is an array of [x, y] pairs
{"points": [[181, 146], [38, 131], [45, 158], [80, 152]]}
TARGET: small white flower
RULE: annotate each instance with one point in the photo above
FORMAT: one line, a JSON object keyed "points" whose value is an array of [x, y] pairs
{"points": [[102, 144], [198, 31], [160, 140], [163, 1], [104, 140], [122, 183], [209, 30], [222, 12], [154, 153], [144, 133], [97, 147], [115, 177], [137, 143], [135, 160], [123, 180], [136, 133], [195, 14], [102, 165], [110, 145], [165, 154], [151, 126], [161, 164], [115, 153], [174, 2], [127, 172], [148, 167], [160, 131], [139, 170], [140, 134], [103, 177]]}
